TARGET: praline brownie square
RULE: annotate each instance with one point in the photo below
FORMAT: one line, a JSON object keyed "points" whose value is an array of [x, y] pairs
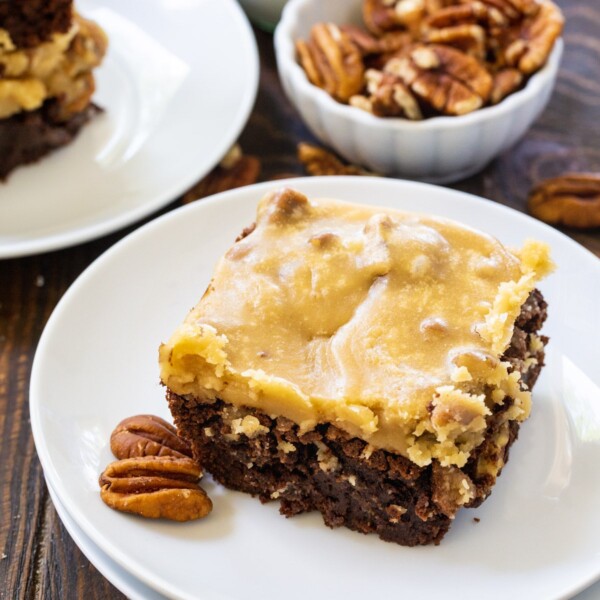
{"points": [[371, 364]]}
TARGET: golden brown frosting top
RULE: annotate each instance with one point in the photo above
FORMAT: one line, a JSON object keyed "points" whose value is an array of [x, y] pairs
{"points": [[388, 324]]}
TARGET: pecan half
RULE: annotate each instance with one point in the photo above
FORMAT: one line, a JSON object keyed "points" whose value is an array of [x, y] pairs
{"points": [[369, 44], [471, 12], [469, 38], [505, 82], [465, 26], [318, 161], [572, 200], [235, 170], [452, 82], [155, 487], [512, 9], [528, 45], [147, 435], [388, 97], [387, 15], [332, 61]]}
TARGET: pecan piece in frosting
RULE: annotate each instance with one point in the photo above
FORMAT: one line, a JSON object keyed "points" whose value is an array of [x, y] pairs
{"points": [[332, 61], [449, 80], [147, 435], [451, 489], [572, 200], [155, 487]]}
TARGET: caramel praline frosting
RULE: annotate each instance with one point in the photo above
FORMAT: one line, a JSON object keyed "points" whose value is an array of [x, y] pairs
{"points": [[388, 324], [60, 67]]}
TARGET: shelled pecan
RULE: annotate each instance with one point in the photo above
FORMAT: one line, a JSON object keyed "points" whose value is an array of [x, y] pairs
{"points": [[505, 82], [572, 200], [332, 61], [486, 50], [155, 487], [528, 45], [388, 96], [369, 44], [452, 82], [387, 15], [318, 161], [147, 435], [513, 9], [469, 12], [469, 38]]}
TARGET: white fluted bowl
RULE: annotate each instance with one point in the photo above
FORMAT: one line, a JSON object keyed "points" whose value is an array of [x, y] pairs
{"points": [[439, 150]]}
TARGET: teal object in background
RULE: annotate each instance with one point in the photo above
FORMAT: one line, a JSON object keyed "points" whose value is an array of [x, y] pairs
{"points": [[264, 13]]}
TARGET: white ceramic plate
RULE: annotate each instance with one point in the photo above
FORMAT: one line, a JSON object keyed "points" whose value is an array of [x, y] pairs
{"points": [[539, 534], [178, 83], [133, 588]]}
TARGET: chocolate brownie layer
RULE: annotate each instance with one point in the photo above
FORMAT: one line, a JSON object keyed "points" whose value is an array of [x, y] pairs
{"points": [[32, 22], [28, 136], [351, 484]]}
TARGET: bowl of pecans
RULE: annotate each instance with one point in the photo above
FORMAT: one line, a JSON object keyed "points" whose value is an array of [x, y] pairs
{"points": [[423, 89]]}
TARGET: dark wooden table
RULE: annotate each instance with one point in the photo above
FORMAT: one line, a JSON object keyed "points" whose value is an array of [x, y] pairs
{"points": [[38, 559]]}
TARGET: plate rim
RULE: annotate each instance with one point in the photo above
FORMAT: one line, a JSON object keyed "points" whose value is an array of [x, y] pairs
{"points": [[112, 550], [71, 237], [87, 548]]}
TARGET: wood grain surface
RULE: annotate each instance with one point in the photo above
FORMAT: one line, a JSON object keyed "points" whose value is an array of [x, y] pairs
{"points": [[38, 559]]}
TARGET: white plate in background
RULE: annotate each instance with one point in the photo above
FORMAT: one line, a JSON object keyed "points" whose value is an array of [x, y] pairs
{"points": [[539, 532], [177, 85], [133, 588]]}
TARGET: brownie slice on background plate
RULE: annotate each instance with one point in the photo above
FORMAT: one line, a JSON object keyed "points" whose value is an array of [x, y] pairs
{"points": [[47, 54]]}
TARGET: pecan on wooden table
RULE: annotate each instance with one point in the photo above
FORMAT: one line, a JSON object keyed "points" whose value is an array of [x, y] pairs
{"points": [[318, 161], [572, 200]]}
